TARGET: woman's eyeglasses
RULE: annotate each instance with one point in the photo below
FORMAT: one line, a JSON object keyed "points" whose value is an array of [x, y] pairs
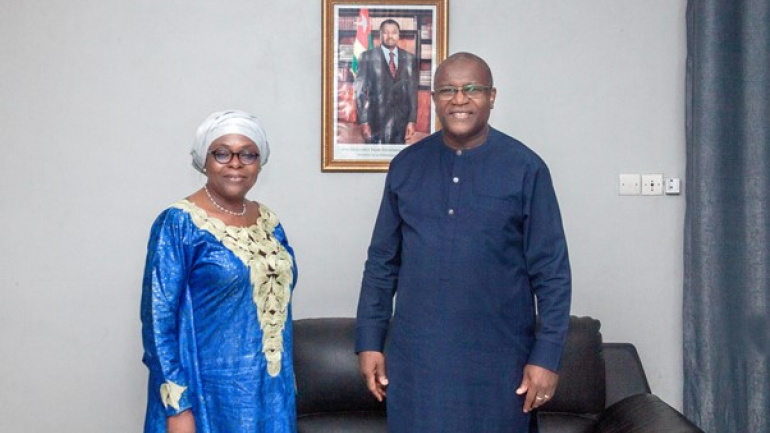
{"points": [[224, 156]]}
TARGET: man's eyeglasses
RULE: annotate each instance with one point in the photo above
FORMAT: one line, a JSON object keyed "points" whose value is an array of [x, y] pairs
{"points": [[224, 156], [473, 91]]}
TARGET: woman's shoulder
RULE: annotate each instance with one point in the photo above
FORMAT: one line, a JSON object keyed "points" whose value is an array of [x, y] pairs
{"points": [[172, 226], [267, 217], [178, 213], [181, 209], [268, 222]]}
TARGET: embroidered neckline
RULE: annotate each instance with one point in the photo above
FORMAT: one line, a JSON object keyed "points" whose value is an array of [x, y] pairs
{"points": [[270, 270]]}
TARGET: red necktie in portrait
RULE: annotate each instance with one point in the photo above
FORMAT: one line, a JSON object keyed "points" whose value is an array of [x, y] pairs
{"points": [[392, 65]]}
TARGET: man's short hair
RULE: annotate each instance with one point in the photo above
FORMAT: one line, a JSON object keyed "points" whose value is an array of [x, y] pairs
{"points": [[390, 21], [468, 57]]}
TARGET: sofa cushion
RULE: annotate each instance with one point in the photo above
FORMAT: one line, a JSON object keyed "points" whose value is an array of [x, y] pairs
{"points": [[348, 422], [644, 413], [562, 422]]}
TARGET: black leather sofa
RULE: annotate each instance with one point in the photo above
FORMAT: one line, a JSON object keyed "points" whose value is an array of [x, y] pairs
{"points": [[602, 386]]}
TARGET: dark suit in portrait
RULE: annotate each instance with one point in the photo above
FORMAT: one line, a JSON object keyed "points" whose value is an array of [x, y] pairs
{"points": [[385, 102]]}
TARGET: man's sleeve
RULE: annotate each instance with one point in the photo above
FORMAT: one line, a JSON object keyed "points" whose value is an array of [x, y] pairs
{"points": [[375, 303], [361, 86], [414, 82], [545, 250]]}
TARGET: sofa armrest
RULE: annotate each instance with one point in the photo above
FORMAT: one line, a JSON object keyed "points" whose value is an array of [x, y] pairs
{"points": [[624, 372], [643, 413]]}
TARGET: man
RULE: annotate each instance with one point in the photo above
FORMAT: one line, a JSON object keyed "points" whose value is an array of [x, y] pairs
{"points": [[470, 236], [386, 90]]}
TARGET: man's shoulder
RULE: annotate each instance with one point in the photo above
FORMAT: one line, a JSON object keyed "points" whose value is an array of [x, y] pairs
{"points": [[414, 153], [511, 147]]}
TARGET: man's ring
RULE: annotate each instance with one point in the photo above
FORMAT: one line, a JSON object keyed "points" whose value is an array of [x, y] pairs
{"points": [[538, 398], [546, 396]]}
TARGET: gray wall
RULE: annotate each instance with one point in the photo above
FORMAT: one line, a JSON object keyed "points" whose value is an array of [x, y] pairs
{"points": [[99, 104]]}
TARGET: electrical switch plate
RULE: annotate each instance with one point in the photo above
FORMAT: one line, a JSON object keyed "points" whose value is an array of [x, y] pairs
{"points": [[652, 184], [673, 186], [629, 184]]}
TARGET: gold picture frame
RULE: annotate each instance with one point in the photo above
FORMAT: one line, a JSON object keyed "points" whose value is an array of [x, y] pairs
{"points": [[351, 47]]}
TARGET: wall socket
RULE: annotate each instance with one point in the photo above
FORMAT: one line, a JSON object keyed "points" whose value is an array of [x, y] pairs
{"points": [[652, 184], [673, 186], [648, 184]]}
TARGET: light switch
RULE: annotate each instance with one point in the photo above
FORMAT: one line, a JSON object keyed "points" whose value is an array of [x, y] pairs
{"points": [[629, 184]]}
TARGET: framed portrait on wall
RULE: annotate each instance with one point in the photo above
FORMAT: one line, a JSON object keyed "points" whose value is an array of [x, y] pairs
{"points": [[378, 63]]}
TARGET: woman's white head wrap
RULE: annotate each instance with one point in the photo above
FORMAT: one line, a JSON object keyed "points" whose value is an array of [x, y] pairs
{"points": [[223, 123]]}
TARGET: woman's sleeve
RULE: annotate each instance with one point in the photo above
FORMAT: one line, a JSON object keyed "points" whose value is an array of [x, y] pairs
{"points": [[163, 287]]}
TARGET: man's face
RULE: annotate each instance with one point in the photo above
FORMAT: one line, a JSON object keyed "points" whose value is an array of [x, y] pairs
{"points": [[464, 119], [389, 36]]}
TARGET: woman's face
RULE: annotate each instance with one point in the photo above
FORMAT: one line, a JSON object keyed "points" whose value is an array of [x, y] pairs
{"points": [[231, 181]]}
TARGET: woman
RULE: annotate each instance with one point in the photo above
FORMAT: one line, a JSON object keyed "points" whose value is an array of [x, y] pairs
{"points": [[216, 316]]}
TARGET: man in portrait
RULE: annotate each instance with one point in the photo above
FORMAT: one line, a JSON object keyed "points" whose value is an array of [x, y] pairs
{"points": [[386, 89]]}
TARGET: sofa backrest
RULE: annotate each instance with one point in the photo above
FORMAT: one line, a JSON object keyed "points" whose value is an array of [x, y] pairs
{"points": [[582, 386], [326, 368]]}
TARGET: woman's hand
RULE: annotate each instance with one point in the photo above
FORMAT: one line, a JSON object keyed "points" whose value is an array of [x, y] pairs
{"points": [[181, 423]]}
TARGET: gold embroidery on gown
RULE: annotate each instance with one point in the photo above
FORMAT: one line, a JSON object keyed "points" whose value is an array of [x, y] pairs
{"points": [[270, 268], [170, 394]]}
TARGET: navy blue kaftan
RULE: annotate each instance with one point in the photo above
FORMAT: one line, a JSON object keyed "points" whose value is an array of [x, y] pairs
{"points": [[467, 240]]}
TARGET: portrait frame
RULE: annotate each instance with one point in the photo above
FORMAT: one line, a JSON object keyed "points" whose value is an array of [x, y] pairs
{"points": [[351, 28]]}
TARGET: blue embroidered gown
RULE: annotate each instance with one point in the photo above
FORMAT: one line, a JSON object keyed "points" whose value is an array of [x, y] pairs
{"points": [[465, 241], [216, 323]]}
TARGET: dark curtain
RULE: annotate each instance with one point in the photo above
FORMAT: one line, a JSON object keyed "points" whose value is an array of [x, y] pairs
{"points": [[727, 222]]}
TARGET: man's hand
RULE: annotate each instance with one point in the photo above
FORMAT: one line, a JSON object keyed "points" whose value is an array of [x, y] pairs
{"points": [[181, 423], [409, 131], [539, 384], [372, 366], [366, 131]]}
